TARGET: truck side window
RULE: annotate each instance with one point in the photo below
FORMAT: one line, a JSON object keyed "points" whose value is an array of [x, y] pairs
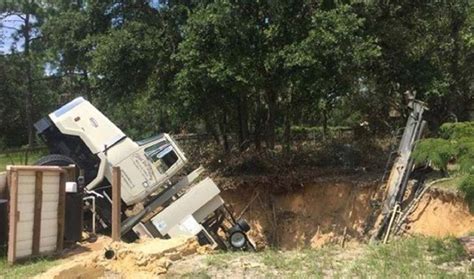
{"points": [[161, 155]]}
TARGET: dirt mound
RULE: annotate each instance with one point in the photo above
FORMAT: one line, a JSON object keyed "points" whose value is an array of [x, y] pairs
{"points": [[138, 260], [319, 211], [441, 214]]}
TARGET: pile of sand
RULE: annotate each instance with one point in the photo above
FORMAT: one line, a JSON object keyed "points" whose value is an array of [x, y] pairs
{"points": [[137, 260]]}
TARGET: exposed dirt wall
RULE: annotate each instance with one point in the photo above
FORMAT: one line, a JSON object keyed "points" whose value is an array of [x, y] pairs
{"points": [[441, 214], [317, 212], [336, 208]]}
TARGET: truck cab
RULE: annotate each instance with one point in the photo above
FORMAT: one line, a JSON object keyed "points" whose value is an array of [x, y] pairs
{"points": [[81, 132], [172, 205]]}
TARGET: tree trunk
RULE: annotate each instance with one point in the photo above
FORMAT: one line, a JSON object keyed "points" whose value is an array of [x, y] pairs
{"points": [[243, 122], [87, 87], [287, 131], [271, 118], [456, 104], [29, 80], [259, 125], [211, 129], [225, 139], [325, 123]]}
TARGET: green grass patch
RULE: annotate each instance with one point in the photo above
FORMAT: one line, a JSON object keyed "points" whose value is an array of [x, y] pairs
{"points": [[296, 264], [220, 260], [201, 274], [20, 158], [26, 269], [415, 257], [451, 184], [445, 250], [411, 258]]}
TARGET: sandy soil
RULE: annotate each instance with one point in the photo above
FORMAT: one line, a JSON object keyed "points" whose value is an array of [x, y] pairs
{"points": [[139, 260], [441, 214], [314, 213], [333, 209]]}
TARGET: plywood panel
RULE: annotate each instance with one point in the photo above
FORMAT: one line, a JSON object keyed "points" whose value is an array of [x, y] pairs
{"points": [[25, 230], [22, 253], [3, 185], [13, 216], [26, 187], [38, 201], [50, 197]]}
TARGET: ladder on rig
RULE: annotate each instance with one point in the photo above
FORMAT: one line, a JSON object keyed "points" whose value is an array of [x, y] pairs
{"points": [[401, 169]]}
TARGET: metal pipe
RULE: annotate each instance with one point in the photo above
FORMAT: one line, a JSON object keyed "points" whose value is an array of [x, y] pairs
{"points": [[394, 213]]}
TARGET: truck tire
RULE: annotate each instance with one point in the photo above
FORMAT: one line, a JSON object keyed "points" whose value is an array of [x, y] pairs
{"points": [[55, 160]]}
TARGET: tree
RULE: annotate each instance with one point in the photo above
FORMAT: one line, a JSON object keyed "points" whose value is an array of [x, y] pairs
{"points": [[29, 15], [329, 63], [10, 117], [70, 34], [424, 49]]}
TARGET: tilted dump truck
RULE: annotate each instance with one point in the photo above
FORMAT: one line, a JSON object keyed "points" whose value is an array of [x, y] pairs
{"points": [[170, 203]]}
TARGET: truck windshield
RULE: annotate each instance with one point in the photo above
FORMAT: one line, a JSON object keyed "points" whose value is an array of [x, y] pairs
{"points": [[162, 155]]}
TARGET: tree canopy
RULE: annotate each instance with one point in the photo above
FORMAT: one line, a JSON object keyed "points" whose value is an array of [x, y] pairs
{"points": [[245, 72]]}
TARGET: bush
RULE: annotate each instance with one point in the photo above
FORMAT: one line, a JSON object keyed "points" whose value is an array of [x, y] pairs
{"points": [[438, 152], [314, 132], [457, 130], [456, 142], [467, 188], [465, 154]]}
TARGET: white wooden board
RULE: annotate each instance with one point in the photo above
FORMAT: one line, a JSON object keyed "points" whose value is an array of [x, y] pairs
{"points": [[3, 185], [49, 195]]}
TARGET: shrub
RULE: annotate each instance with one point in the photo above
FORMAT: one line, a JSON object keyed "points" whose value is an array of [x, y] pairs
{"points": [[467, 188], [456, 142], [465, 154], [438, 152], [457, 130], [313, 132]]}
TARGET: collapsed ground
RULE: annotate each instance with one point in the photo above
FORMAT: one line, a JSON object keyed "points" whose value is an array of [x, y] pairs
{"points": [[339, 209], [306, 220], [317, 227]]}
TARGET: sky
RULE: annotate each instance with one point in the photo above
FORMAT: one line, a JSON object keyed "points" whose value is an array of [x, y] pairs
{"points": [[6, 26]]}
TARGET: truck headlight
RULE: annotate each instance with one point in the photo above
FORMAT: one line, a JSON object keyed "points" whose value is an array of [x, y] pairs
{"points": [[238, 239]]}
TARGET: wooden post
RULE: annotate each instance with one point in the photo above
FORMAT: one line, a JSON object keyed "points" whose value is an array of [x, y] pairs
{"points": [[37, 213], [13, 217], [61, 211], [116, 203]]}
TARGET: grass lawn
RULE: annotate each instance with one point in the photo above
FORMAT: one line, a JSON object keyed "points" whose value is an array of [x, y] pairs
{"points": [[414, 257], [451, 185], [19, 159], [26, 269]]}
